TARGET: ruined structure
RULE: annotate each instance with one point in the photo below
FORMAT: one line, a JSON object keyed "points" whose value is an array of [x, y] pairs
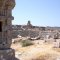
{"points": [[6, 6], [35, 31], [29, 25]]}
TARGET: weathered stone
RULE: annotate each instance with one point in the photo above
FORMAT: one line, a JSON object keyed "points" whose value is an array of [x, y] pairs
{"points": [[7, 54], [6, 23], [6, 6]]}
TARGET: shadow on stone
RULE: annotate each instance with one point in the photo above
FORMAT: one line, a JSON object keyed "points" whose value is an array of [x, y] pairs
{"points": [[16, 59]]}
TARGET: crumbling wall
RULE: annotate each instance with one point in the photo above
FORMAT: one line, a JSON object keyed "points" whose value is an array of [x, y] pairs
{"points": [[25, 33], [33, 34]]}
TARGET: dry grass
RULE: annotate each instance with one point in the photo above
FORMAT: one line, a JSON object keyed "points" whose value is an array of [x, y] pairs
{"points": [[57, 49], [37, 52]]}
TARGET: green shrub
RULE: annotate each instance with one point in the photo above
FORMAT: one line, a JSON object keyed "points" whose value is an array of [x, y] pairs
{"points": [[26, 43]]}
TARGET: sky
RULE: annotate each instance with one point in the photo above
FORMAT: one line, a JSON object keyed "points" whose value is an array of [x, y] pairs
{"points": [[39, 12]]}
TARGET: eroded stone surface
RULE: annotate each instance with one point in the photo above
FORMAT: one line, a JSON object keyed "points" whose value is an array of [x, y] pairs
{"points": [[6, 18]]}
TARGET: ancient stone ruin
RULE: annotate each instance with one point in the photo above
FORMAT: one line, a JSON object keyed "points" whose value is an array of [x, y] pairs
{"points": [[6, 6]]}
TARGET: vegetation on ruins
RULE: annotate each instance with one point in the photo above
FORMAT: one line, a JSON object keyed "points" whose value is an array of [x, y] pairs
{"points": [[26, 43]]}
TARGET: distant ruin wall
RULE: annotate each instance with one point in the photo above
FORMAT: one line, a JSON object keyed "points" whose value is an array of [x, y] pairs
{"points": [[25, 33], [30, 33]]}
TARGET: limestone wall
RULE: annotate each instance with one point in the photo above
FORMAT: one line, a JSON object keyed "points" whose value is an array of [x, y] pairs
{"points": [[25, 33], [30, 33], [36, 31]]}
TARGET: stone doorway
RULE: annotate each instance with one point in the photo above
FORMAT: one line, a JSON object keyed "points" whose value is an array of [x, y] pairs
{"points": [[0, 32], [0, 26]]}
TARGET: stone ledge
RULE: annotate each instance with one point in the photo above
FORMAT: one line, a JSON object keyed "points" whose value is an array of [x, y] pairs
{"points": [[4, 17], [7, 54]]}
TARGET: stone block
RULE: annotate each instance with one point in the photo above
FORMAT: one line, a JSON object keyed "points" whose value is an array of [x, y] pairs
{"points": [[8, 54]]}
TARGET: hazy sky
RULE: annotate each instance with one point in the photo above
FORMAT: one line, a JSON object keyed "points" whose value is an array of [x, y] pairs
{"points": [[39, 12]]}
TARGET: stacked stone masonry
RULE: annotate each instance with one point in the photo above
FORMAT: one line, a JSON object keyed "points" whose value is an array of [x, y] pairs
{"points": [[6, 6], [34, 31]]}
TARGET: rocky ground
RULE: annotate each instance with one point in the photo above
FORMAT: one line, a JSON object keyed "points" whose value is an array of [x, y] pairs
{"points": [[39, 51]]}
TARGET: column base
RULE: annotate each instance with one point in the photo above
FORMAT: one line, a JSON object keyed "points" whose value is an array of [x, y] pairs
{"points": [[7, 54]]}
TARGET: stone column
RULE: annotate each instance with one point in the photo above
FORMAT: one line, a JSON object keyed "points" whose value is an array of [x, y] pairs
{"points": [[6, 53]]}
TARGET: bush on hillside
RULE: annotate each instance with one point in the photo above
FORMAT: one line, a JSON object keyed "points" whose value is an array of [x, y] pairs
{"points": [[26, 43]]}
